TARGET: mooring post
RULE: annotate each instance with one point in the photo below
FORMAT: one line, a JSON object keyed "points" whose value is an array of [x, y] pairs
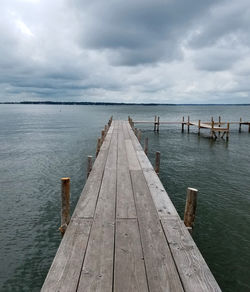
{"points": [[99, 142], [158, 124], [157, 162], [219, 123], [65, 209], [182, 125], [227, 135], [199, 127], [188, 123], [240, 125], [155, 123], [139, 135], [212, 127], [190, 208], [249, 128], [89, 165], [146, 145], [103, 136]]}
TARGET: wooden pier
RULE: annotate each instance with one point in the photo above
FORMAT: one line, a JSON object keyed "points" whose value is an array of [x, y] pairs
{"points": [[217, 129], [125, 234]]}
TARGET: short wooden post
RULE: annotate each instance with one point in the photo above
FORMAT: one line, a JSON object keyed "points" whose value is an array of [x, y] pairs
{"points": [[227, 135], [240, 125], [106, 129], [182, 125], [212, 127], [188, 123], [65, 210], [99, 142], [103, 136], [146, 145], [190, 208], [157, 162], [139, 135], [199, 127], [158, 124], [155, 123], [248, 128], [89, 165], [136, 131], [219, 123]]}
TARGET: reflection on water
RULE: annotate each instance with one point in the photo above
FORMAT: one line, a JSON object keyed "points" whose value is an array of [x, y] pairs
{"points": [[40, 144]]}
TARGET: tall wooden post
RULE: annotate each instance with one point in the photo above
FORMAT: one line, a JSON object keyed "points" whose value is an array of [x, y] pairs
{"points": [[89, 165], [212, 127], [190, 208], [155, 123], [248, 128], [182, 125], [199, 127], [227, 135], [146, 145], [139, 135], [65, 210], [188, 123], [99, 142], [158, 124], [157, 162], [240, 125], [219, 123]]}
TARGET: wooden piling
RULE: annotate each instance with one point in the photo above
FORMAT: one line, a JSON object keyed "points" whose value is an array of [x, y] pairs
{"points": [[155, 123], [157, 162], [188, 123], [212, 128], [240, 125], [65, 209], [227, 134], [199, 127], [190, 208], [106, 129], [89, 165], [158, 124], [219, 124], [136, 132], [182, 125], [139, 135], [146, 145], [99, 142], [103, 136], [248, 128]]}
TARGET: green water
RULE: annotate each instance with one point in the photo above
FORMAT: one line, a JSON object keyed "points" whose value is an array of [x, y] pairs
{"points": [[39, 144]]}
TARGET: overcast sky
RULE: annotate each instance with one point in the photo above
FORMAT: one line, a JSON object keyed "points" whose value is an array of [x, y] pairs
{"points": [[169, 51]]}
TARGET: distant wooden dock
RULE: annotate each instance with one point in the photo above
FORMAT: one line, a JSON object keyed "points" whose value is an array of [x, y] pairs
{"points": [[217, 129], [125, 234]]}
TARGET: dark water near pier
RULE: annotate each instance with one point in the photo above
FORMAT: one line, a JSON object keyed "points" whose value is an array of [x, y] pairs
{"points": [[39, 144]]}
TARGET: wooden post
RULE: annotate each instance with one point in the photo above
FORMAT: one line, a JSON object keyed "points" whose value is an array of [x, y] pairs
{"points": [[103, 136], [146, 145], [65, 210], [99, 142], [106, 129], [136, 131], [89, 165], [139, 135], [240, 125], [182, 124], [190, 208], [155, 123], [157, 162], [199, 127], [158, 124], [219, 123], [248, 128], [188, 123], [212, 127], [227, 135]]}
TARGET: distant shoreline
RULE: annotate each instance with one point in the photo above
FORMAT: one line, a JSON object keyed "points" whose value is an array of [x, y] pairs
{"points": [[123, 103]]}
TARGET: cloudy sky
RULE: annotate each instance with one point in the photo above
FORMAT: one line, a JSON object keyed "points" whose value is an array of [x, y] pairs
{"points": [[168, 51]]}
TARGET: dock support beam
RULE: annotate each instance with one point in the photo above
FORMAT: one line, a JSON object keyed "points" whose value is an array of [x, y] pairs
{"points": [[190, 208], [227, 135], [146, 145], [158, 124], [139, 135], [98, 146], [240, 125], [155, 123], [188, 123], [182, 124], [89, 165], [65, 210], [199, 127], [157, 162]]}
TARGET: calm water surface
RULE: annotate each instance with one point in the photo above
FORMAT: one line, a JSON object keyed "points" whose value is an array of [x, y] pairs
{"points": [[39, 144]]}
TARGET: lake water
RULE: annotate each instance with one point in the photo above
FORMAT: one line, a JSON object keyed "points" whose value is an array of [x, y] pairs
{"points": [[39, 144]]}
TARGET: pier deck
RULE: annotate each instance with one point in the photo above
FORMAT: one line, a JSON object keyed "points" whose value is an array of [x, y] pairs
{"points": [[125, 234]]}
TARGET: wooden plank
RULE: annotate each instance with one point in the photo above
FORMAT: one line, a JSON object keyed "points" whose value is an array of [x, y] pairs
{"points": [[125, 130], [85, 207], [161, 270], [132, 158], [129, 270], [193, 270], [97, 272], [133, 138], [66, 267], [125, 207]]}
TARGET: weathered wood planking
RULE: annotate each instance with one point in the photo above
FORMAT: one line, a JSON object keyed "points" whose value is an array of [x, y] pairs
{"points": [[125, 207], [194, 272], [66, 268], [129, 270]]}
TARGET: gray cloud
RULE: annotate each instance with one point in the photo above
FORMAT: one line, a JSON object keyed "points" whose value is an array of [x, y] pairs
{"points": [[144, 51]]}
